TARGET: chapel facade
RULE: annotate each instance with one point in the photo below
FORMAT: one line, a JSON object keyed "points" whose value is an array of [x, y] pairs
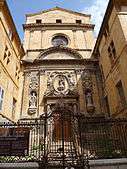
{"points": [[62, 97], [57, 67]]}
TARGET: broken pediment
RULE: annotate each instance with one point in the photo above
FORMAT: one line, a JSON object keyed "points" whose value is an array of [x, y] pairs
{"points": [[59, 53]]}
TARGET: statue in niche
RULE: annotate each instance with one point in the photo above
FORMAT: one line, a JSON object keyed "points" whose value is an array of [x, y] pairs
{"points": [[89, 102], [49, 111], [89, 99], [61, 83], [75, 108], [33, 99]]}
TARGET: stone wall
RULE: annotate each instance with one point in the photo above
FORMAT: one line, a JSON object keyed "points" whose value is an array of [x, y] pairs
{"points": [[10, 54], [94, 164], [109, 164], [114, 67]]}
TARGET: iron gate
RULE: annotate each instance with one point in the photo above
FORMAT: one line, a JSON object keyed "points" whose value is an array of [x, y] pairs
{"points": [[61, 139]]}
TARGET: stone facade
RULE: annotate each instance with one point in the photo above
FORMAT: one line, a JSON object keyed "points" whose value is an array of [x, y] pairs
{"points": [[44, 64], [60, 71], [111, 51], [11, 52]]}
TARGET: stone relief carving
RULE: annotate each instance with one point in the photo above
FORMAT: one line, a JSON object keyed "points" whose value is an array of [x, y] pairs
{"points": [[33, 83], [33, 92], [87, 81], [60, 83], [42, 72], [32, 111], [26, 73], [78, 71]]}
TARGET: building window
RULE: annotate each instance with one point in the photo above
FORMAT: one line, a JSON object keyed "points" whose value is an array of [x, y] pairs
{"points": [[1, 97], [112, 52], [58, 21], [102, 72], [38, 20], [17, 73], [59, 40], [5, 52], [14, 107], [121, 96], [10, 34], [78, 21], [106, 32], [7, 55], [106, 104]]}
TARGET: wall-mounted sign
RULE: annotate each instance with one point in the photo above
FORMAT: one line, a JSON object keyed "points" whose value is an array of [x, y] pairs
{"points": [[14, 141]]}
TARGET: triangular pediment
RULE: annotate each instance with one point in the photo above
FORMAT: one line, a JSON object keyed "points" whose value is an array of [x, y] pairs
{"points": [[60, 9], [59, 53]]}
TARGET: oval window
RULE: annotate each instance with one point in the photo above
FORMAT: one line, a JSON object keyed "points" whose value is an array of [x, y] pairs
{"points": [[59, 40]]}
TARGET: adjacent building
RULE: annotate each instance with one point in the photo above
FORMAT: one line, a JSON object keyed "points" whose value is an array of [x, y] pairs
{"points": [[11, 52], [111, 51]]}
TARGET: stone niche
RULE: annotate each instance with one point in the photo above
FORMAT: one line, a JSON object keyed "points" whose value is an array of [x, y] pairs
{"points": [[33, 93], [88, 91]]}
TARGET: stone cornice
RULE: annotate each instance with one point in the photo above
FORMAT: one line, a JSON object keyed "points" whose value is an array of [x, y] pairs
{"points": [[64, 97], [6, 118], [44, 26], [41, 50], [67, 62]]}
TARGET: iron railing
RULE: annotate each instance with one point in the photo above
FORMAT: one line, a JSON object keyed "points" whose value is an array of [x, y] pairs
{"points": [[104, 138], [89, 138]]}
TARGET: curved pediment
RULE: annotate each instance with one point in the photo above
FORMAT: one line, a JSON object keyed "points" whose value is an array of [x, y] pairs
{"points": [[59, 53]]}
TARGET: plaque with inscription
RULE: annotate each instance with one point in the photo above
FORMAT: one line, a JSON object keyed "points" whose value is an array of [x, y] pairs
{"points": [[14, 141]]}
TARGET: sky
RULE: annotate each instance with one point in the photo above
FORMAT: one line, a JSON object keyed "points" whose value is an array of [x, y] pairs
{"points": [[19, 8]]}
